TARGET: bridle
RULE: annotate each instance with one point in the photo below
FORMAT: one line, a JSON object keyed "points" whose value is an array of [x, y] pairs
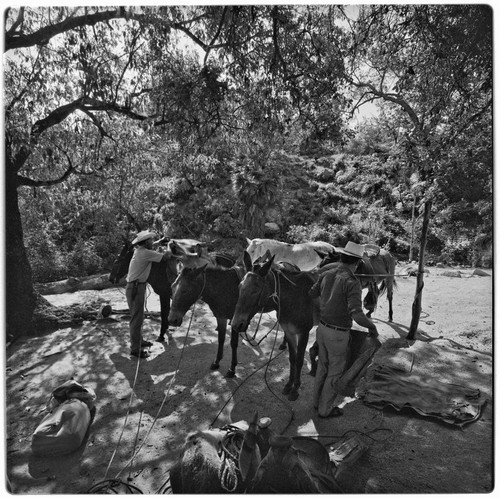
{"points": [[275, 296]]}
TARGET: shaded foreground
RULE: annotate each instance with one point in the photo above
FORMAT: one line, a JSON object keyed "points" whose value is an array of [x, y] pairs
{"points": [[176, 393]]}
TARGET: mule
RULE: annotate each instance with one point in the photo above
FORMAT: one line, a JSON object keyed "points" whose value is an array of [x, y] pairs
{"points": [[304, 255], [251, 458], [199, 256], [161, 277], [372, 270], [264, 288], [218, 288]]}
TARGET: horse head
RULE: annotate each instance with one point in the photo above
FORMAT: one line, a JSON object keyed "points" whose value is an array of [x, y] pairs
{"points": [[121, 263], [186, 290], [254, 291], [327, 257]]}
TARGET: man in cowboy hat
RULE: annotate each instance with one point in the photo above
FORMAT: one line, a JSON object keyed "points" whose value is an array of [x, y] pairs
{"points": [[339, 294], [138, 273]]}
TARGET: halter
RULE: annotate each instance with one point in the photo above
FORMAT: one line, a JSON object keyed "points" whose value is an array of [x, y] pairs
{"points": [[202, 287], [275, 296]]}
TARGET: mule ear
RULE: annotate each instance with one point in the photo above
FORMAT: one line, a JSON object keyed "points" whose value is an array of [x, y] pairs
{"points": [[175, 249], [267, 255], [247, 260], [264, 270], [248, 241]]}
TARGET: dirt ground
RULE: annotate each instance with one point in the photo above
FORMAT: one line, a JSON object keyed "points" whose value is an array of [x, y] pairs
{"points": [[144, 411]]}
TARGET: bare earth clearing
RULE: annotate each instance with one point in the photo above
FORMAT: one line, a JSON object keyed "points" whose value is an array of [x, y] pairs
{"points": [[407, 453]]}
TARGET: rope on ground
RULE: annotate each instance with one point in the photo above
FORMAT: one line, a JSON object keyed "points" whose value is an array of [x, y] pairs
{"points": [[361, 433], [126, 417], [164, 398], [109, 486], [211, 426], [268, 362]]}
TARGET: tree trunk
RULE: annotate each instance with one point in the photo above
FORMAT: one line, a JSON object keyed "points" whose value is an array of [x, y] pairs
{"points": [[72, 284], [412, 236], [417, 301], [19, 295]]}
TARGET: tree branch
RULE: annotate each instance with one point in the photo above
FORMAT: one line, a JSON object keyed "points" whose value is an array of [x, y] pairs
{"points": [[391, 97], [29, 182], [219, 29], [17, 22], [43, 35], [84, 104]]}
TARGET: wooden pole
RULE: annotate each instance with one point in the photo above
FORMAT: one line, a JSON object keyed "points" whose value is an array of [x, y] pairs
{"points": [[417, 301], [412, 236]]}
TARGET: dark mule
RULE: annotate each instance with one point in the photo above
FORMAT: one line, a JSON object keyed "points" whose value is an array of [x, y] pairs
{"points": [[161, 277], [264, 288], [372, 270], [216, 286]]}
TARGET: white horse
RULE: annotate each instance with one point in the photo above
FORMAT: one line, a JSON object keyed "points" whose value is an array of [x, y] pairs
{"points": [[304, 255]]}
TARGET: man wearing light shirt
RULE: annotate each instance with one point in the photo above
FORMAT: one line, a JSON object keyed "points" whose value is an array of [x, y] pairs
{"points": [[138, 273]]}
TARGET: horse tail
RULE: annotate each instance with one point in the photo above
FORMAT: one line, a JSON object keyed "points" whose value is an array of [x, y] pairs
{"points": [[382, 288], [390, 264]]}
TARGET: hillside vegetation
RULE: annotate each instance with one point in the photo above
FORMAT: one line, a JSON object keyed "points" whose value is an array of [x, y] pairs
{"points": [[225, 122], [330, 197]]}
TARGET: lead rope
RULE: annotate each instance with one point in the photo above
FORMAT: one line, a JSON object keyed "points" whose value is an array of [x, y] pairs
{"points": [[164, 398], [171, 381], [128, 409]]}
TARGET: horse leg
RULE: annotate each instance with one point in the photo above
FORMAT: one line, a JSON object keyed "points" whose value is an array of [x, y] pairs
{"points": [[291, 389], [234, 354], [292, 355], [282, 346], [313, 356], [221, 333], [371, 298], [389, 298], [303, 337], [165, 310]]}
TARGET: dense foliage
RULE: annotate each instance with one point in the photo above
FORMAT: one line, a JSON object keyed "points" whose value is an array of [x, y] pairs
{"points": [[210, 122]]}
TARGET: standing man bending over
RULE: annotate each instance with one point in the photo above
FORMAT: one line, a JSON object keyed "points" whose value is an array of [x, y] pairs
{"points": [[339, 293], [138, 273]]}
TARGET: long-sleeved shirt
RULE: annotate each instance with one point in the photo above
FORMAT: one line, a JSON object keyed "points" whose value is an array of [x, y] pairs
{"points": [[140, 264], [340, 296]]}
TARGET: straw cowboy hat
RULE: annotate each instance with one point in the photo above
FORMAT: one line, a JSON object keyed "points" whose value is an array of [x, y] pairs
{"points": [[351, 249], [142, 236]]}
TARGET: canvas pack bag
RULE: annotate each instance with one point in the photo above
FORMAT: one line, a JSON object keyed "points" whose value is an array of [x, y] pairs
{"points": [[63, 429]]}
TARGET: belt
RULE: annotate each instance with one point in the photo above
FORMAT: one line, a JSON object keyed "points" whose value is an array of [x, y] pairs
{"points": [[330, 326]]}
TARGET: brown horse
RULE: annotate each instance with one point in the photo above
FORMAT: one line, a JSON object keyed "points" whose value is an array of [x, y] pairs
{"points": [[285, 291], [162, 274], [161, 277], [216, 286]]}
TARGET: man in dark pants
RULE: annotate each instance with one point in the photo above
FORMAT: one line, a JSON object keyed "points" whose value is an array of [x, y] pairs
{"points": [[138, 273], [339, 294]]}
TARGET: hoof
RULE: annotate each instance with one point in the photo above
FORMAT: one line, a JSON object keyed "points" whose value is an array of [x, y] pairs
{"points": [[312, 373], [293, 396], [214, 366], [282, 346], [230, 374], [287, 389], [161, 338]]}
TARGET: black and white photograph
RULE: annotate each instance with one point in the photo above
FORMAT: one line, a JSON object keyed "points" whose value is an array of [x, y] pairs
{"points": [[248, 249]]}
